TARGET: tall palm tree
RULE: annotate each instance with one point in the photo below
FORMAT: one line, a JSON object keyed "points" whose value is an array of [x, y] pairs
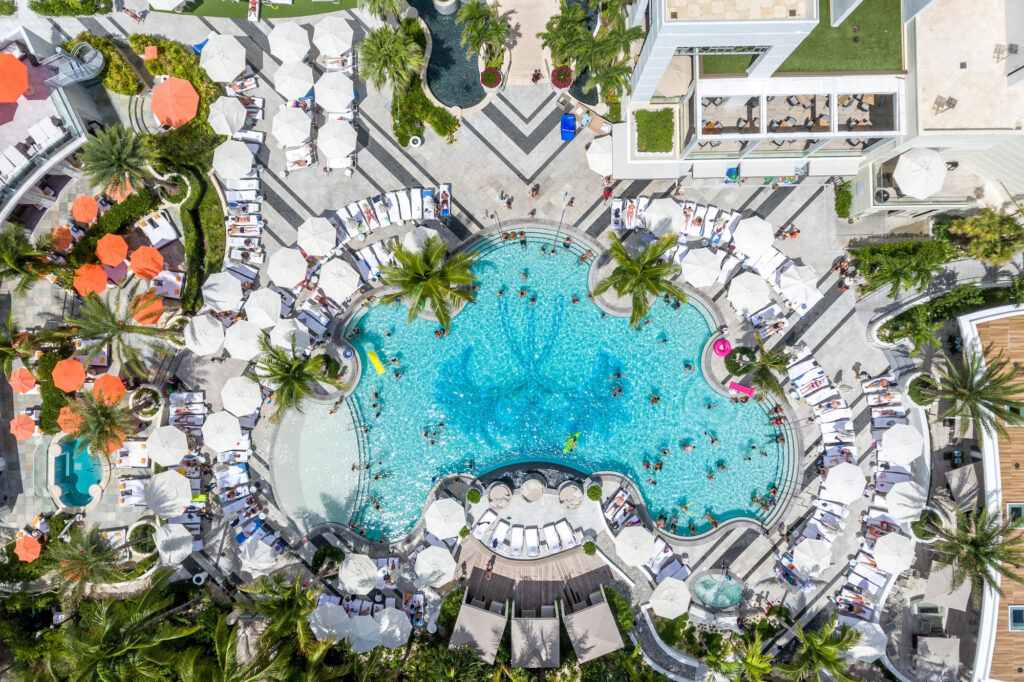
{"points": [[442, 663], [483, 29], [611, 78], [22, 260], [382, 9], [754, 664], [389, 55], [101, 424], [314, 666], [983, 394], [428, 277], [14, 345], [979, 547], [196, 665], [821, 653], [565, 34], [900, 271], [917, 329], [284, 605], [764, 369], [643, 276], [292, 376], [116, 158], [86, 558]]}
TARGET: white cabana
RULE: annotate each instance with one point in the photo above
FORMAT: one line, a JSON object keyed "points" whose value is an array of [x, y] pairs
{"points": [[263, 308], [635, 545], [332, 35], [223, 58], [227, 115], [894, 553], [592, 630], [232, 160], [221, 431], [222, 292], [293, 80], [242, 340], [749, 293], [241, 396], [357, 574], [167, 445], [317, 237], [173, 543], [799, 285], [289, 41], [753, 235], [920, 172], [664, 216], [701, 267], [334, 91], [872, 644], [336, 139], [257, 558], [901, 444], [435, 566], [328, 621], [363, 634], [204, 335], [445, 518], [338, 280], [479, 629], [599, 156], [287, 268], [395, 627], [416, 238], [811, 557], [168, 494], [671, 598], [289, 333], [844, 483], [291, 127], [905, 500]]}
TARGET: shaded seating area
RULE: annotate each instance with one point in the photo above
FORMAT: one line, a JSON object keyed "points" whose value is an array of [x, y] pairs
{"points": [[591, 627], [480, 626], [535, 638]]}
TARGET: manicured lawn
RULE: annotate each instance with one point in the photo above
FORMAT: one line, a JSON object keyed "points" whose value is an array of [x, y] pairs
{"points": [[239, 9], [726, 63], [880, 45], [655, 130]]}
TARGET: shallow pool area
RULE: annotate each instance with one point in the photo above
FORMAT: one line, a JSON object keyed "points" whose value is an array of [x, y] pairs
{"points": [[75, 471], [717, 590], [453, 78]]}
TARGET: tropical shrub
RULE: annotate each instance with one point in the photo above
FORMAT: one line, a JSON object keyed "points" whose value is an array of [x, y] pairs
{"points": [[594, 493], [450, 606], [737, 362], [51, 397], [561, 77], [69, 8], [118, 219], [960, 300], [117, 74], [923, 527], [589, 548], [906, 265], [914, 390], [993, 238], [622, 610], [843, 199], [412, 110], [143, 536], [7, 8], [179, 61], [655, 130], [671, 631], [473, 496], [614, 111], [490, 78], [327, 554]]}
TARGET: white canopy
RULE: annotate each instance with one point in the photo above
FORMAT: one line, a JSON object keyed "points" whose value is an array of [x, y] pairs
{"points": [[334, 91], [363, 634], [241, 396], [435, 566], [664, 216], [338, 279], [332, 35], [358, 574], [872, 644], [232, 160], [417, 238], [317, 237], [901, 444], [635, 545], [395, 627], [749, 293], [223, 58], [293, 80], [336, 139], [242, 340], [701, 267], [221, 431], [671, 598], [227, 115], [287, 268], [168, 494], [599, 156], [204, 335], [445, 518], [328, 621], [289, 42], [753, 235], [165, 5], [291, 127], [263, 308], [288, 333], [167, 445], [173, 543], [257, 558], [920, 172], [844, 483], [905, 501], [799, 285], [811, 556], [222, 292], [894, 553]]}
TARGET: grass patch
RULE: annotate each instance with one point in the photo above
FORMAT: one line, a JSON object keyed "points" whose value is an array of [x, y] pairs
{"points": [[711, 64], [654, 130], [879, 45], [594, 493], [614, 112], [239, 10], [843, 199], [117, 74]]}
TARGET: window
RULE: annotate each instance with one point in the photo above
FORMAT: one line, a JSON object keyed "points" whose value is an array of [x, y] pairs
{"points": [[1015, 511], [1017, 618]]}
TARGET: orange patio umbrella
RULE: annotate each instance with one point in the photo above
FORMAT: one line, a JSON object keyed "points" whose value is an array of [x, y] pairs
{"points": [[90, 279], [13, 78], [174, 102], [22, 381], [68, 420], [27, 548], [68, 375], [147, 308], [119, 192], [111, 249], [61, 238], [147, 262], [84, 209], [23, 427], [108, 388]]}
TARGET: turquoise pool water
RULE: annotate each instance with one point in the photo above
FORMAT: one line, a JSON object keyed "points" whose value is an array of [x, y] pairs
{"points": [[715, 589], [75, 470]]}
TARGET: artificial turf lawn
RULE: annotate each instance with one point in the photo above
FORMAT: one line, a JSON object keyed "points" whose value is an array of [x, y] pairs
{"points": [[880, 47], [725, 63], [654, 130], [238, 9]]}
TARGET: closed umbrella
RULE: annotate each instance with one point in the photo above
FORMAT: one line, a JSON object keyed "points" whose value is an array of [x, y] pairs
{"points": [[445, 518], [635, 545], [173, 543], [901, 444], [599, 156], [242, 340], [664, 216], [293, 80], [435, 566], [227, 115], [168, 494], [811, 556], [222, 292], [332, 35], [395, 627], [753, 235], [257, 558], [223, 58], [417, 238], [174, 102], [749, 293], [204, 335], [701, 267], [799, 285], [338, 279], [289, 333], [241, 396], [920, 172], [358, 574], [336, 139], [290, 127], [894, 553], [263, 308], [222, 432], [363, 634], [905, 501], [671, 598], [167, 445], [844, 483], [872, 644], [289, 41], [232, 160], [317, 237], [333, 92], [328, 622], [287, 268]]}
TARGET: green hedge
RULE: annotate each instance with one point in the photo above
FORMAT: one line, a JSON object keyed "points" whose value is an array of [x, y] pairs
{"points": [[118, 219], [737, 361], [191, 237], [179, 61], [117, 74], [958, 301], [615, 112], [69, 8], [843, 199], [655, 130], [7, 8], [52, 398], [472, 495], [325, 554], [622, 610], [411, 111]]}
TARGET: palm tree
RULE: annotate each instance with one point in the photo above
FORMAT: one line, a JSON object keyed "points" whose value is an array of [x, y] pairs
{"points": [[21, 259], [903, 272], [765, 368], [475, 18], [917, 329], [442, 663], [292, 376], [983, 394], [611, 78], [116, 158], [101, 424], [754, 664], [14, 345], [821, 653], [643, 276], [284, 606], [389, 55], [196, 665], [979, 547], [429, 278], [86, 558], [566, 34], [314, 666], [382, 9]]}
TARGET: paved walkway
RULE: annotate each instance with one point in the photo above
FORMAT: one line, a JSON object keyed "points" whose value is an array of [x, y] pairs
{"points": [[526, 19]]}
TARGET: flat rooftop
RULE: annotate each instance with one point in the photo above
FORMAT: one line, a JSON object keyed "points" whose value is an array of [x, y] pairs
{"points": [[735, 10], [32, 107], [869, 40]]}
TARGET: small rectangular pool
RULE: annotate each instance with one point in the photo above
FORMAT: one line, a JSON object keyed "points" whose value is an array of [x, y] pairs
{"points": [[75, 471]]}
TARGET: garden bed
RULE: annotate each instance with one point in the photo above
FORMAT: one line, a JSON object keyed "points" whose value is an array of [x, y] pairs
{"points": [[118, 219], [143, 535], [411, 111], [117, 74], [655, 131]]}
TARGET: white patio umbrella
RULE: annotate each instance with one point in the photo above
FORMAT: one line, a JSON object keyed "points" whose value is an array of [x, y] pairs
{"points": [[358, 574], [663, 216], [417, 238], [701, 267], [168, 494], [332, 35], [395, 627], [671, 598], [336, 139], [221, 431], [872, 644], [257, 558], [333, 91], [242, 340], [317, 237], [288, 333], [445, 518], [291, 127], [753, 235], [227, 115], [905, 501], [223, 58], [222, 292], [599, 155], [204, 335], [167, 445], [901, 444], [363, 634], [328, 621], [293, 80], [435, 566], [263, 308], [635, 545], [799, 285], [241, 396], [173, 543], [165, 5], [289, 41], [287, 268], [844, 483], [811, 556], [749, 293], [894, 553], [232, 160], [338, 279], [920, 172]]}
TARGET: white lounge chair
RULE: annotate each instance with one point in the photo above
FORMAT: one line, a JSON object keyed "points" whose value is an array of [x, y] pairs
{"points": [[532, 542], [615, 505], [551, 539], [515, 541], [500, 531], [565, 534], [484, 524]]}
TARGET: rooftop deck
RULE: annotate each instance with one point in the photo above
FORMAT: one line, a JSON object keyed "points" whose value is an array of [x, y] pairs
{"points": [[736, 10]]}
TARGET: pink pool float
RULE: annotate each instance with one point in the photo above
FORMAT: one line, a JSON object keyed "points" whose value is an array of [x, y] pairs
{"points": [[722, 347]]}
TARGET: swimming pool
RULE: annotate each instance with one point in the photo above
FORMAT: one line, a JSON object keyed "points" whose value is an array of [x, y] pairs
{"points": [[510, 383], [75, 471]]}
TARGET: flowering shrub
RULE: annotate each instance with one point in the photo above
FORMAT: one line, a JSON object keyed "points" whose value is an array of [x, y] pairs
{"points": [[562, 77], [491, 77]]}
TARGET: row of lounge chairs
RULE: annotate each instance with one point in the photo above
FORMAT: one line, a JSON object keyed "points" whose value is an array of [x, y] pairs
{"points": [[662, 563], [396, 207], [495, 532]]}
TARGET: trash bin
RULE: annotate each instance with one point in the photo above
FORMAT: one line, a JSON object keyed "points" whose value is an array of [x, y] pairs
{"points": [[568, 127]]}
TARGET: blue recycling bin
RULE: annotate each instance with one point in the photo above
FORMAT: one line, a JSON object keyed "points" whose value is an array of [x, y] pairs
{"points": [[568, 127]]}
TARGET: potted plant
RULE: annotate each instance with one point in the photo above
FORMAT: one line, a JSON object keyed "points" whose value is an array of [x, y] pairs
{"points": [[490, 78], [561, 77]]}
